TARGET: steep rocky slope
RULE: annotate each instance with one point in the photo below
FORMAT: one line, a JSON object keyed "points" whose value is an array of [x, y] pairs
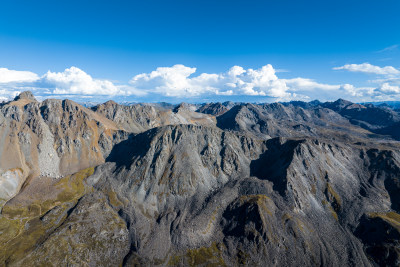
{"points": [[278, 120], [377, 119], [53, 138], [138, 118], [253, 190], [216, 108]]}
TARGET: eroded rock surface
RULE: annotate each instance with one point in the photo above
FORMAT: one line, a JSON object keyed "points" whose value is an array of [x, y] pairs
{"points": [[292, 184]]}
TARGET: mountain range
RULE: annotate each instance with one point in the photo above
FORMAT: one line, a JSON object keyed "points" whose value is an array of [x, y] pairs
{"points": [[214, 184]]}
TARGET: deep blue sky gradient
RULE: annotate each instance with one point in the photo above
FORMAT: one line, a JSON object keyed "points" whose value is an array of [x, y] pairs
{"points": [[118, 39]]}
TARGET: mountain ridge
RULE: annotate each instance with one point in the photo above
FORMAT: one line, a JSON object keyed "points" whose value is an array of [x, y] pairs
{"points": [[223, 184]]}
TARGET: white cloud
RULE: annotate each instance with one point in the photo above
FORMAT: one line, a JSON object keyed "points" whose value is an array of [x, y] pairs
{"points": [[183, 81], [76, 81], [229, 92], [173, 81], [395, 80], [349, 88], [304, 84], [177, 81], [235, 71], [15, 76], [388, 89], [13, 82], [368, 68], [8, 93], [72, 81]]}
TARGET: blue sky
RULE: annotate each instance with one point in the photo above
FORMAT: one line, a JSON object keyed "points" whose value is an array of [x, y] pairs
{"points": [[158, 50]]}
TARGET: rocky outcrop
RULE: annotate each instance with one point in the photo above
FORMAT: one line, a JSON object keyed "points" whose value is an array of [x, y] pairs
{"points": [[216, 109], [198, 195], [294, 202], [139, 118], [278, 120], [53, 138], [27, 95], [379, 119]]}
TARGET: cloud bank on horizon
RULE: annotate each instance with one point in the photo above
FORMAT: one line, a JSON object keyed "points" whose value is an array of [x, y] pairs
{"points": [[180, 83]]}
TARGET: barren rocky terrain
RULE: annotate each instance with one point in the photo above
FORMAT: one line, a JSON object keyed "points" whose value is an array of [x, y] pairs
{"points": [[215, 184]]}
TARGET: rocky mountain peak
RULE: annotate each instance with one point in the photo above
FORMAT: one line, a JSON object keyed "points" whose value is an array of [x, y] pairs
{"points": [[25, 95], [338, 104], [215, 109], [110, 103], [184, 107]]}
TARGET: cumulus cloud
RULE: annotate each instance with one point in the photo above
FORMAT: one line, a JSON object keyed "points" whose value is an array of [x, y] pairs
{"points": [[303, 84], [178, 81], [15, 76], [181, 81], [76, 81], [172, 81], [387, 84], [393, 80], [175, 81], [386, 88], [368, 68], [12, 82], [71, 81]]}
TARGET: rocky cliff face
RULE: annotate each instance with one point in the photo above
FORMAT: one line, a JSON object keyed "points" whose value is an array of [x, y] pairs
{"points": [[53, 138], [268, 185], [138, 118], [216, 108]]}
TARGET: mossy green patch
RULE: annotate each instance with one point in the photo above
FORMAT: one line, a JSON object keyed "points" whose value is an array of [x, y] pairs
{"points": [[70, 188], [391, 217], [261, 200], [209, 256], [313, 189], [242, 257], [113, 199], [211, 222], [174, 260], [204, 256], [22, 227], [334, 202], [333, 194], [334, 214], [76, 243]]}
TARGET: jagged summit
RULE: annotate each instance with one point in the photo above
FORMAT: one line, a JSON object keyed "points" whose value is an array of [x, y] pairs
{"points": [[215, 108], [25, 95], [184, 107], [342, 102], [338, 104], [110, 103]]}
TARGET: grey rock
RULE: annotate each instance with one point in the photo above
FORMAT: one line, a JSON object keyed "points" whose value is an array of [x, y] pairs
{"points": [[220, 184], [25, 95]]}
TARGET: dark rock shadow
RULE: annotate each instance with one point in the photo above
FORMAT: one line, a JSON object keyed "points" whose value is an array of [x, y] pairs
{"points": [[272, 164], [136, 145], [380, 239], [383, 165], [227, 120]]}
